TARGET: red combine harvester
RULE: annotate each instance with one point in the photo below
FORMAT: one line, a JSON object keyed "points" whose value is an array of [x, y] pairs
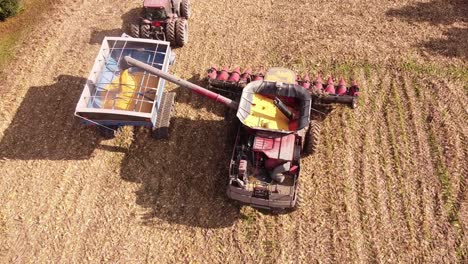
{"points": [[276, 128], [165, 20]]}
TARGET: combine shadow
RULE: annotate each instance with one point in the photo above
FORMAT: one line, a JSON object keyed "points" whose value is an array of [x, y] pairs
{"points": [[440, 12], [183, 179], [44, 128]]}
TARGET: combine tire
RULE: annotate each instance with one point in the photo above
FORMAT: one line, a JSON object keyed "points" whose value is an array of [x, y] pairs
{"points": [[297, 204], [145, 31], [181, 32], [135, 30], [161, 128], [170, 32], [312, 138], [185, 9]]}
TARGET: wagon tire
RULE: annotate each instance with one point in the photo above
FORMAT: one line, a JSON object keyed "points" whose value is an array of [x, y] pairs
{"points": [[181, 34], [145, 31], [107, 132], [165, 112], [170, 32], [312, 137], [185, 11]]}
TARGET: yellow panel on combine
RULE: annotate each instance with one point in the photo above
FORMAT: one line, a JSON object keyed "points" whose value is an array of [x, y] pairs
{"points": [[264, 113]]}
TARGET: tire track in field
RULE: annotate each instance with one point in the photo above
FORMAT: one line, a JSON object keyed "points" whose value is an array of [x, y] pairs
{"points": [[441, 131], [429, 232]]}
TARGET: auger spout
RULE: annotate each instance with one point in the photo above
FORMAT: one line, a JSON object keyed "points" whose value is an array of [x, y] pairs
{"points": [[183, 83]]}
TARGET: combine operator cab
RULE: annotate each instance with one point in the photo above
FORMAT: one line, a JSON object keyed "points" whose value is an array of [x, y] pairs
{"points": [[275, 115]]}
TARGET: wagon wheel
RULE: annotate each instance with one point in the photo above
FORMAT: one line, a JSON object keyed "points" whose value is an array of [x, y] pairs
{"points": [[170, 32], [145, 31], [185, 9], [181, 32], [107, 132], [134, 30], [165, 112], [312, 137]]}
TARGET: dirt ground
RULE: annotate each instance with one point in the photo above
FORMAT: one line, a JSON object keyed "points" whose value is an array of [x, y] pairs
{"points": [[388, 183]]}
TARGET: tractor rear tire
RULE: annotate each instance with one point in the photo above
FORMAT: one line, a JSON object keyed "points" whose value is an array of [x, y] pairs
{"points": [[161, 128], [185, 9], [171, 33], [145, 31], [134, 30], [181, 32], [312, 138]]}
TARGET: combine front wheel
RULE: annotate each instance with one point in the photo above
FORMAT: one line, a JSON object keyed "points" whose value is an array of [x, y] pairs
{"points": [[171, 33], [181, 32], [313, 137]]}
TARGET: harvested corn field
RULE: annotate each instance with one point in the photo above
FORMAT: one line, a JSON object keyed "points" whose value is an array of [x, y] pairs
{"points": [[387, 184]]}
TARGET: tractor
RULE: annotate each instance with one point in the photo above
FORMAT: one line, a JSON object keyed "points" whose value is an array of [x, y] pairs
{"points": [[276, 126], [165, 20]]}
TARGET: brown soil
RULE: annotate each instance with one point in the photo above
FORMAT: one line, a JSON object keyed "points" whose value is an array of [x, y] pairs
{"points": [[387, 184]]}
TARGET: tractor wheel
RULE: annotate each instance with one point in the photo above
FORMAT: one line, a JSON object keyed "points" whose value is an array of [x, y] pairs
{"points": [[171, 33], [185, 9], [145, 31], [134, 30], [165, 112], [181, 32], [312, 138]]}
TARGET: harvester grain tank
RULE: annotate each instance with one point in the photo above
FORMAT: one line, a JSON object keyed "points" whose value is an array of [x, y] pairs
{"points": [[275, 131]]}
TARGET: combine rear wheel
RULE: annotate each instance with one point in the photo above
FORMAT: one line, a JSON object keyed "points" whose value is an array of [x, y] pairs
{"points": [[145, 31], [171, 33], [297, 203], [181, 32], [161, 128], [135, 30], [185, 9], [312, 137]]}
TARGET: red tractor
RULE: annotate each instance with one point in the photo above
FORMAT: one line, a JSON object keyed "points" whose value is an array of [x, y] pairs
{"points": [[165, 20]]}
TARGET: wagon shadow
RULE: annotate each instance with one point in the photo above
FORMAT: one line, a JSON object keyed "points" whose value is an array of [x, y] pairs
{"points": [[44, 128], [184, 178], [439, 12]]}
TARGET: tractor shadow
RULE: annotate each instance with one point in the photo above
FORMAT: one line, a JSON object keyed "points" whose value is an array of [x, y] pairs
{"points": [[132, 16], [43, 127], [439, 12], [183, 179]]}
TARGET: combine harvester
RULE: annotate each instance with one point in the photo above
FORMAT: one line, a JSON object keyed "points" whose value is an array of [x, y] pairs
{"points": [[276, 128], [115, 97]]}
